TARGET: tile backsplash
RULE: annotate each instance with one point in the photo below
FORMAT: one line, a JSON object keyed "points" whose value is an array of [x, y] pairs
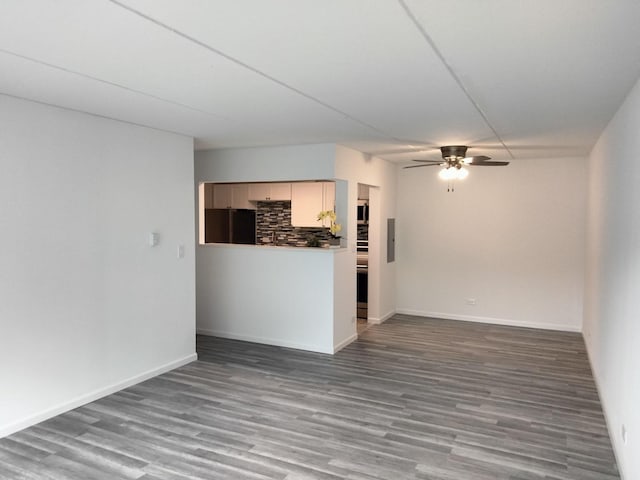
{"points": [[273, 227]]}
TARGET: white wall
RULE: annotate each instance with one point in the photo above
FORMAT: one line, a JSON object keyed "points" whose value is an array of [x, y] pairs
{"points": [[612, 312], [357, 167], [510, 237], [265, 164], [86, 306]]}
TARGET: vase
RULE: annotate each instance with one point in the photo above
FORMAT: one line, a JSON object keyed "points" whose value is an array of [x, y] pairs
{"points": [[333, 241]]}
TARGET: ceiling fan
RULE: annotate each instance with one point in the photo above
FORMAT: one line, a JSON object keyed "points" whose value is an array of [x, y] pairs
{"points": [[454, 156], [453, 160]]}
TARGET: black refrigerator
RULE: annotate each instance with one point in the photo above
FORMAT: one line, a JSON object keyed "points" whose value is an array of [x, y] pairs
{"points": [[227, 225]]}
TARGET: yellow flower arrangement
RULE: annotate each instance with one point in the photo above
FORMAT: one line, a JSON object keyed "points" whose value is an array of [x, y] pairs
{"points": [[331, 215]]}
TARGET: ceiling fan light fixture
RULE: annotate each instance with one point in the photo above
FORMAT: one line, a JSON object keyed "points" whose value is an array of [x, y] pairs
{"points": [[447, 173], [453, 173]]}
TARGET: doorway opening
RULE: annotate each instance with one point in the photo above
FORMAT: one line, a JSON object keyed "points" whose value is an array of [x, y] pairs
{"points": [[362, 259]]}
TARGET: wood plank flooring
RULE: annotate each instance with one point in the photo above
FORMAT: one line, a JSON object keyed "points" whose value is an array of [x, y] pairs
{"points": [[414, 398]]}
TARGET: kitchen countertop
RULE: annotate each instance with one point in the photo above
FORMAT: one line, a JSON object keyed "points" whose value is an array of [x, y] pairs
{"points": [[275, 247]]}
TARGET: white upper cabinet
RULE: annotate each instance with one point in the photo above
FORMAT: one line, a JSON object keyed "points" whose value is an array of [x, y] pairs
{"points": [[240, 196], [221, 196], [208, 195], [280, 191], [308, 199], [306, 203], [363, 192], [328, 197], [260, 192], [232, 195]]}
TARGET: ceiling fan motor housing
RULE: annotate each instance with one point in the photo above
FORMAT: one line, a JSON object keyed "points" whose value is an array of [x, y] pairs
{"points": [[454, 152]]}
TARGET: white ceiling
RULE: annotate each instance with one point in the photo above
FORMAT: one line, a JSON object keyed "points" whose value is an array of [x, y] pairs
{"points": [[395, 78]]}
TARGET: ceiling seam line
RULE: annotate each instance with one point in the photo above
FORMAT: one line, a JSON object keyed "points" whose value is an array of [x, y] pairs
{"points": [[449, 68], [254, 70], [113, 84], [97, 115]]}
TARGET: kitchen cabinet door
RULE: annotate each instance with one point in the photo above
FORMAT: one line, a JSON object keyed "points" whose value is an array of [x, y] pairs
{"points": [[208, 195], [306, 202], [328, 200], [280, 191], [222, 195], [240, 196], [308, 199], [260, 192], [232, 195], [363, 192]]}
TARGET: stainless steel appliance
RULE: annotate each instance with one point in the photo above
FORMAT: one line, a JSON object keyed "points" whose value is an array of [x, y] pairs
{"points": [[362, 272], [227, 225], [362, 254], [363, 212]]}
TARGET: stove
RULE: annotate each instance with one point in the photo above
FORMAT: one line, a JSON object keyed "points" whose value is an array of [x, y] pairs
{"points": [[362, 255], [362, 269]]}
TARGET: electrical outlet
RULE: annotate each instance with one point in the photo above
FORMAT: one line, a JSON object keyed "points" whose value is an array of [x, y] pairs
{"points": [[471, 301], [623, 434]]}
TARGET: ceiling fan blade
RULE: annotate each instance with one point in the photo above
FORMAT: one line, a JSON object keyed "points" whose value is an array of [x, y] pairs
{"points": [[478, 158], [428, 161], [423, 165], [488, 164]]}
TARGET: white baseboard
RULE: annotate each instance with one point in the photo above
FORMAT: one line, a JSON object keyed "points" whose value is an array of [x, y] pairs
{"points": [[613, 432], [491, 320], [92, 396], [345, 342], [267, 341], [384, 318]]}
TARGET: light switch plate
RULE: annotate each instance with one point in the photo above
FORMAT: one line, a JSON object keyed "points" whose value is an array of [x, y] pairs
{"points": [[154, 238]]}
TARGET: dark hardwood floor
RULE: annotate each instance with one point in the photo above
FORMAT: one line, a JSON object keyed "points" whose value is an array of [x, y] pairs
{"points": [[413, 398]]}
